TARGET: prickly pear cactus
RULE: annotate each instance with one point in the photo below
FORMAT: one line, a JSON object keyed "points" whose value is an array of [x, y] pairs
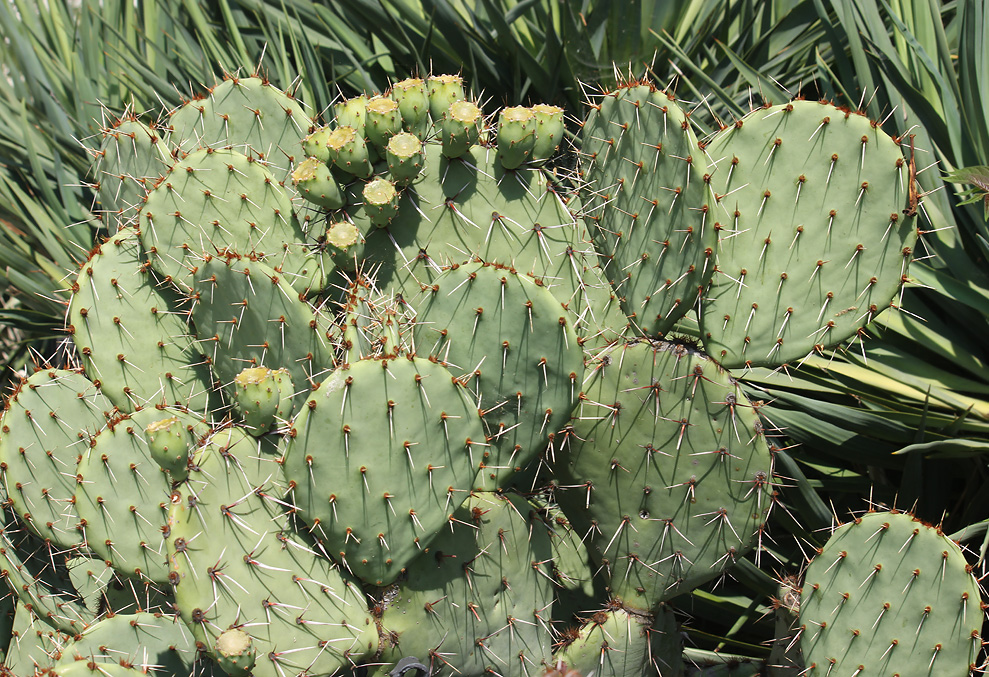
{"points": [[320, 362]]}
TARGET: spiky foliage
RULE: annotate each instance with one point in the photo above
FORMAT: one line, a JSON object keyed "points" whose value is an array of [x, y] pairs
{"points": [[584, 293]]}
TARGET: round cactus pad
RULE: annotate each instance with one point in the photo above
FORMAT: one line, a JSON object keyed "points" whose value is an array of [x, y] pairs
{"points": [[649, 209], [133, 334], [381, 455], [812, 240], [47, 426], [666, 471], [890, 595], [511, 341], [235, 561]]}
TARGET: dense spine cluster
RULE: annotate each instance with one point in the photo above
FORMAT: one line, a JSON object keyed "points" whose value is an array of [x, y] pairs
{"points": [[385, 393]]}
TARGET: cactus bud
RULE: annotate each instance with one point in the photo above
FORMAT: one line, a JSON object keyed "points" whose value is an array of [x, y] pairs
{"points": [[315, 182], [170, 444], [235, 652], [261, 396]]}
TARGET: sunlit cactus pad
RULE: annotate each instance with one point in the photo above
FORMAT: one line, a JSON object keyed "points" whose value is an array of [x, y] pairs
{"points": [[890, 595], [813, 241], [665, 474]]}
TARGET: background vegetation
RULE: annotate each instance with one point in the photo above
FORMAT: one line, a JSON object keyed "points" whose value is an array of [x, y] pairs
{"points": [[900, 417]]}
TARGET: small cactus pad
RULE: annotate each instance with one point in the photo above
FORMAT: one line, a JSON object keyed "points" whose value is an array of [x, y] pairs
{"points": [[890, 595], [235, 562], [122, 494], [131, 159], [381, 455], [649, 209], [234, 652], [133, 335], [510, 341], [156, 643], [479, 600], [666, 469], [248, 315], [214, 201], [619, 643], [813, 243], [250, 116], [170, 443], [47, 426]]}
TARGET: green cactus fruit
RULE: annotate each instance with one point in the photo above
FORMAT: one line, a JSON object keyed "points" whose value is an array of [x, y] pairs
{"points": [[460, 128], [889, 594], [47, 425], [413, 104], [262, 397], [479, 600], [667, 470], [219, 200], [122, 494], [234, 652], [170, 442], [313, 180], [549, 131], [384, 120], [516, 136], [131, 159], [616, 642], [132, 333], [813, 244], [380, 201], [156, 643], [442, 91], [314, 144], [247, 115], [352, 113], [405, 157], [253, 318], [235, 559], [509, 340], [381, 455], [648, 210], [344, 243], [349, 152]]}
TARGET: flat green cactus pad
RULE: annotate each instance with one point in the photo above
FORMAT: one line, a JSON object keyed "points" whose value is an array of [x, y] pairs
{"points": [[234, 560], [250, 116], [649, 209], [248, 315], [889, 595], [381, 455], [479, 600], [666, 470], [218, 201], [512, 342], [123, 495], [131, 159], [134, 334], [812, 240], [47, 427], [159, 644]]}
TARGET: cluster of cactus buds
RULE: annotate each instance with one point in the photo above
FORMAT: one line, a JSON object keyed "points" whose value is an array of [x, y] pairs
{"points": [[386, 395]]}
